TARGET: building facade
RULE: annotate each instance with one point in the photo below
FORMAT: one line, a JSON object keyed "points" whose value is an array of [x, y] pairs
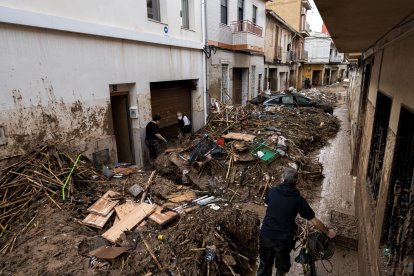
{"points": [[90, 75], [381, 105], [284, 52], [287, 25], [325, 65], [235, 47]]}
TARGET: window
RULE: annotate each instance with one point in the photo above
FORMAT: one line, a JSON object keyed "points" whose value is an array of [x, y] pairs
{"points": [[223, 11], [287, 100], [153, 9], [254, 16], [378, 142], [185, 22], [240, 5]]}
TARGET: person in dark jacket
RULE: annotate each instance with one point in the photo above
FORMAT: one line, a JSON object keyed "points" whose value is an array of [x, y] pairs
{"points": [[152, 136], [277, 232]]}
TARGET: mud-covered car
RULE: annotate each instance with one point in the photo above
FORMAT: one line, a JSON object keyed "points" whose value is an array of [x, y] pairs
{"points": [[296, 99]]}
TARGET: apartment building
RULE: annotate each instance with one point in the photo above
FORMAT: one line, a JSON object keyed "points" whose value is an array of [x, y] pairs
{"points": [[284, 52], [382, 118], [90, 74], [235, 48], [325, 65], [287, 31]]}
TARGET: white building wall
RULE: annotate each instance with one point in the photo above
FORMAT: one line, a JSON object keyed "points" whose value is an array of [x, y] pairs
{"points": [[318, 49], [54, 85], [127, 14]]}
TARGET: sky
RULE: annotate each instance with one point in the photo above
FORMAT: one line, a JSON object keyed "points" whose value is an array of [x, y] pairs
{"points": [[314, 18]]}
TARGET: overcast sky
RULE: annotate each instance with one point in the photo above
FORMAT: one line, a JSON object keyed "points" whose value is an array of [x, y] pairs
{"points": [[314, 18]]}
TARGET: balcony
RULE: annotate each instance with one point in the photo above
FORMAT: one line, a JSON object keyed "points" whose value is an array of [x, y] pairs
{"points": [[247, 36], [335, 59]]}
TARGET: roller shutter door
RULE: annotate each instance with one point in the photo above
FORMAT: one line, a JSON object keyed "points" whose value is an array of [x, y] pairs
{"points": [[166, 99]]}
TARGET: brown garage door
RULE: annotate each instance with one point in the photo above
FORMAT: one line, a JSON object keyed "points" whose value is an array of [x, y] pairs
{"points": [[166, 99]]}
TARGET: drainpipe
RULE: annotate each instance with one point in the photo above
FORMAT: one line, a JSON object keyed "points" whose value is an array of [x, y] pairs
{"points": [[204, 34]]}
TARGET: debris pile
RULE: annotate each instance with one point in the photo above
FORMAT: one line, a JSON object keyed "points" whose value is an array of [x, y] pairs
{"points": [[44, 174], [243, 150]]}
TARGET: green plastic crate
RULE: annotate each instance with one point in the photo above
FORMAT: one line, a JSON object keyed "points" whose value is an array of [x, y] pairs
{"points": [[269, 153]]}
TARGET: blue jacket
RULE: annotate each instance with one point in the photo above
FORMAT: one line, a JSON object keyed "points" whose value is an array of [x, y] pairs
{"points": [[284, 203]]}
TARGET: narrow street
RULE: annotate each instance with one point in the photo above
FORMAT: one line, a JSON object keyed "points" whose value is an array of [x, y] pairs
{"points": [[147, 137], [337, 193]]}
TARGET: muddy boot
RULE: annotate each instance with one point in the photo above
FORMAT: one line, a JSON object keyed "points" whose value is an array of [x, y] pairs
{"points": [[280, 273]]}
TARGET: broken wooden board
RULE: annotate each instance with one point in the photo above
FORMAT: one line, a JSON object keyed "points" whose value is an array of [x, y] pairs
{"points": [[239, 136], [97, 221], [177, 198], [106, 252], [124, 209], [162, 218], [138, 214], [105, 204]]}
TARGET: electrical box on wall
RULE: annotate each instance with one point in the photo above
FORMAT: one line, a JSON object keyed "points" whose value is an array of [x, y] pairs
{"points": [[133, 112]]}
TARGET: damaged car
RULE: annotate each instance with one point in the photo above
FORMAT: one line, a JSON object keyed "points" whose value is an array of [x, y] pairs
{"points": [[298, 100]]}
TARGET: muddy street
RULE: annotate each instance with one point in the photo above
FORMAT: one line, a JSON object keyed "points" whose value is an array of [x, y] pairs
{"points": [[337, 193]]}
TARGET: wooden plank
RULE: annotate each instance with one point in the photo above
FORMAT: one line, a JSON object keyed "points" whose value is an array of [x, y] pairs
{"points": [[177, 198], [137, 215], [239, 136], [124, 209], [162, 218], [97, 221], [105, 204]]}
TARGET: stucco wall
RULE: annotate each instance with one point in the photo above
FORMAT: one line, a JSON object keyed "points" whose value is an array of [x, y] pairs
{"points": [[55, 86], [318, 49], [127, 14], [289, 10], [234, 60], [391, 74]]}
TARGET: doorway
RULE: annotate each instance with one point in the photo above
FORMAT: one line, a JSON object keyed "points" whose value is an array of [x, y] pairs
{"points": [[237, 85], [273, 79], [122, 126], [327, 77], [316, 76]]}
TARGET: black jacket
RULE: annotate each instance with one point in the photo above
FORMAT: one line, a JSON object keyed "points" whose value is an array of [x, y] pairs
{"points": [[284, 203]]}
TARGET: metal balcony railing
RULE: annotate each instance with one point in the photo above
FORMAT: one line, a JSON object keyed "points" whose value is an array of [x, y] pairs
{"points": [[247, 26]]}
